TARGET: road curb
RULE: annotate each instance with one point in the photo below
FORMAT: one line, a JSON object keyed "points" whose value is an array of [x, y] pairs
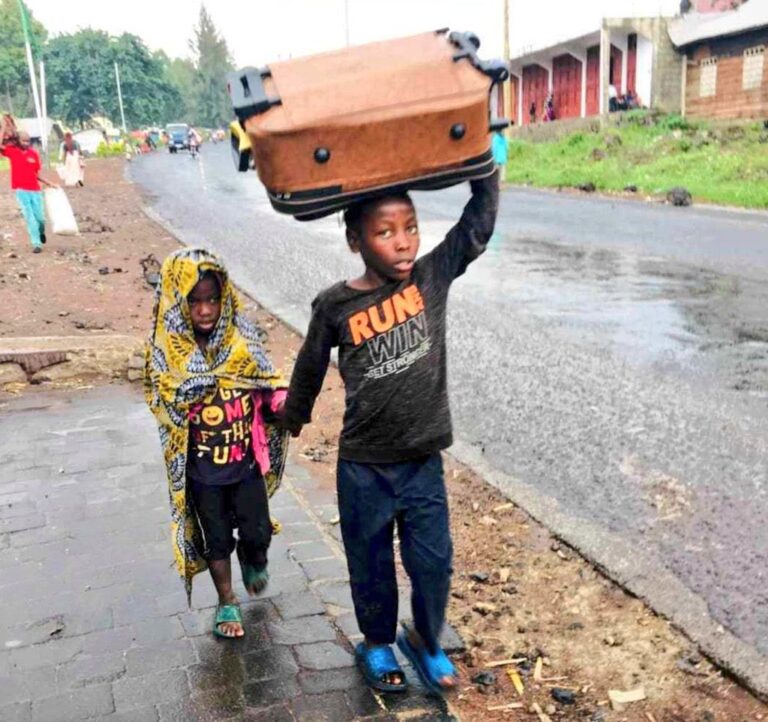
{"points": [[61, 358], [634, 569]]}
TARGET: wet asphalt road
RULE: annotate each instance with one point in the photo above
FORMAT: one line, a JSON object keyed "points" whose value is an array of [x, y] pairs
{"points": [[612, 354]]}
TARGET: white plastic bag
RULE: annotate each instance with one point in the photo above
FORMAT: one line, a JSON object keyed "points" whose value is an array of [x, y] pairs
{"points": [[60, 213]]}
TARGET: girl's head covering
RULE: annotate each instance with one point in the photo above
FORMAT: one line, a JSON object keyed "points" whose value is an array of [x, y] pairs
{"points": [[178, 373]]}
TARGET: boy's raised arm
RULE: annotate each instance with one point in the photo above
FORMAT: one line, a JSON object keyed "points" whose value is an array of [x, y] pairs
{"points": [[309, 371], [469, 237]]}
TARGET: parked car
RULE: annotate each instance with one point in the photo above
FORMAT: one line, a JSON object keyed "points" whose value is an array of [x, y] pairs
{"points": [[178, 137]]}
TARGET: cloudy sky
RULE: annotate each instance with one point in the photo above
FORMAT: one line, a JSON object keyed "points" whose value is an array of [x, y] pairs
{"points": [[259, 31]]}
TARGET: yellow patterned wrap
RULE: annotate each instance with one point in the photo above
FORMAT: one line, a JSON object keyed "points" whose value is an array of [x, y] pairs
{"points": [[178, 374]]}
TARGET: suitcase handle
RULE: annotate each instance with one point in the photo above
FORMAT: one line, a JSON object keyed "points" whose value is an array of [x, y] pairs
{"points": [[468, 44], [247, 92]]}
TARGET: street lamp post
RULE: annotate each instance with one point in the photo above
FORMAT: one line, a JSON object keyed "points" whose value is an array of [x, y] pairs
{"points": [[120, 98]]}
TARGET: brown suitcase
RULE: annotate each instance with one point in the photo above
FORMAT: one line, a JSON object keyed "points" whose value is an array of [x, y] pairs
{"points": [[326, 130]]}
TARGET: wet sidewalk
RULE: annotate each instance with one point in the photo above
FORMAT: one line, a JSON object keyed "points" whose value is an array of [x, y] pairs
{"points": [[94, 622]]}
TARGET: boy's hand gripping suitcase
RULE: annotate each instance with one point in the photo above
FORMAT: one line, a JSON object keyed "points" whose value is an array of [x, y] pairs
{"points": [[330, 129]]}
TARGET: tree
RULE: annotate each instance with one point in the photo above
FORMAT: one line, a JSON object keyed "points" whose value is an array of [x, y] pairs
{"points": [[14, 74], [148, 96], [81, 79], [180, 74], [212, 61]]}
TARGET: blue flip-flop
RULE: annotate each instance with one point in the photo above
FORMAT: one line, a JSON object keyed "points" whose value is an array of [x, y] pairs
{"points": [[431, 668], [376, 663]]}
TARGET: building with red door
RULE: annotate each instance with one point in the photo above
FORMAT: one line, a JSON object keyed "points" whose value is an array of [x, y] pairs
{"points": [[724, 60], [622, 56]]}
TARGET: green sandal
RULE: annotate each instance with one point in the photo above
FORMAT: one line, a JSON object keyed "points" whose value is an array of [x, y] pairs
{"points": [[227, 613]]}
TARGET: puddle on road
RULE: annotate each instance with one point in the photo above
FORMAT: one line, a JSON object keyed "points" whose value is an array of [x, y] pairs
{"points": [[648, 310]]}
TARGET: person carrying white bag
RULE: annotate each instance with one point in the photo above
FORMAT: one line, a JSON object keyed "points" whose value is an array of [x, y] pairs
{"points": [[25, 179], [60, 212]]}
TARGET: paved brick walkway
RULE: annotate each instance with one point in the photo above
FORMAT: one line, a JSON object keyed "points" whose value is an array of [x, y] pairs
{"points": [[94, 622]]}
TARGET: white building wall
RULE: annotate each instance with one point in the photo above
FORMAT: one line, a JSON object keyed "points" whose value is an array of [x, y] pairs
{"points": [[644, 71], [539, 24]]}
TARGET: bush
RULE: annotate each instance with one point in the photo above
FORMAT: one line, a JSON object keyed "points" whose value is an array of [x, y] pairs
{"points": [[674, 122], [107, 150]]}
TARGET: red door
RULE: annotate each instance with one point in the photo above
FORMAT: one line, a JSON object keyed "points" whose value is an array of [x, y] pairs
{"points": [[632, 63], [593, 80], [566, 86], [615, 76], [535, 91]]}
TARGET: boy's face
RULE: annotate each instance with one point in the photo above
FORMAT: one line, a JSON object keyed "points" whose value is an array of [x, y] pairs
{"points": [[205, 306], [390, 240], [24, 140]]}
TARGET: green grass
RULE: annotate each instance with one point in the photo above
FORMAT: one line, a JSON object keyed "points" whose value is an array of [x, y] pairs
{"points": [[718, 164]]}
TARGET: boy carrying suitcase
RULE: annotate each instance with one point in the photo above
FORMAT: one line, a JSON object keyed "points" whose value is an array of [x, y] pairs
{"points": [[389, 325]]}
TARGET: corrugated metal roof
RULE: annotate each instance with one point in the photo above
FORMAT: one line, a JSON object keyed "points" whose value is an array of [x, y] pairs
{"points": [[694, 27]]}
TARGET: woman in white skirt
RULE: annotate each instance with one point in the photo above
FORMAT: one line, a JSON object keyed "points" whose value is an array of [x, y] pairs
{"points": [[70, 157]]}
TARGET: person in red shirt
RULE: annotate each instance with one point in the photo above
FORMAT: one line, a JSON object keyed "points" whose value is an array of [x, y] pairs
{"points": [[25, 181]]}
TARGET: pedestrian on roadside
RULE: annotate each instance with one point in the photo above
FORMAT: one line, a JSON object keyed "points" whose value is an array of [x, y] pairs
{"points": [[70, 156], [389, 326], [500, 150], [549, 109], [532, 112], [25, 180], [214, 392], [613, 98]]}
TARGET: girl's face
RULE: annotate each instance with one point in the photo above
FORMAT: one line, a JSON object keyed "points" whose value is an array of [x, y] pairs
{"points": [[205, 306]]}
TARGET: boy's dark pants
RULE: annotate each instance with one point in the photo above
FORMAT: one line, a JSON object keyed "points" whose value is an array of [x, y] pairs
{"points": [[372, 498], [222, 507]]}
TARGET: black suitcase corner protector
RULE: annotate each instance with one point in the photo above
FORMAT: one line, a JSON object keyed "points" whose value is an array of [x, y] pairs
{"points": [[468, 44], [247, 92]]}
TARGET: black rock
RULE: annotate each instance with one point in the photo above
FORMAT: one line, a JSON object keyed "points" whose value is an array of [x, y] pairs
{"points": [[485, 679], [630, 188], [679, 196], [563, 696], [588, 187], [103, 271], [479, 576]]}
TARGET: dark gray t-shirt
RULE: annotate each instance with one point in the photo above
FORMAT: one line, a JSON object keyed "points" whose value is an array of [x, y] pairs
{"points": [[392, 354]]}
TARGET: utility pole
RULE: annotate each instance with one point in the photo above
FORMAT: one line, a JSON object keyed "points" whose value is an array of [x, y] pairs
{"points": [[31, 68], [44, 105], [508, 84], [120, 98]]}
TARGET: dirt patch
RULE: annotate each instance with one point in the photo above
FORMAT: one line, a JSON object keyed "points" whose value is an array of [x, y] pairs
{"points": [[518, 593], [87, 283]]}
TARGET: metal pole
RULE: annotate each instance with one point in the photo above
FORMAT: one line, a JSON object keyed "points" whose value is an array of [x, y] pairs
{"points": [[120, 98], [32, 74], [507, 86], [44, 104]]}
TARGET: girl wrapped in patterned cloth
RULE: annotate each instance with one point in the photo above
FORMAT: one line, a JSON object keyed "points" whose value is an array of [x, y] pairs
{"points": [[215, 395]]}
